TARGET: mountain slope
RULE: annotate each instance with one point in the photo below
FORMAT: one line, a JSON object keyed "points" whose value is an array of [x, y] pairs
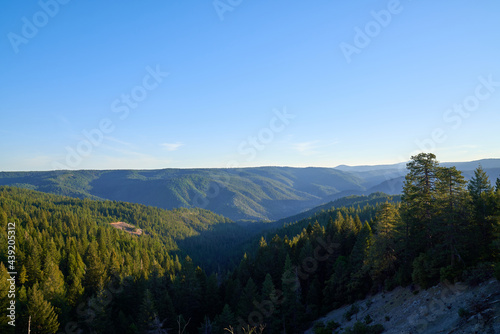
{"points": [[262, 193], [248, 193]]}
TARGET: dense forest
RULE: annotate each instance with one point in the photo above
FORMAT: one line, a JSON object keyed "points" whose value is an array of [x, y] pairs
{"points": [[78, 274]]}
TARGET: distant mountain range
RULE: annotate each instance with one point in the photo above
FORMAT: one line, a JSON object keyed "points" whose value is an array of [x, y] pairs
{"points": [[261, 193]]}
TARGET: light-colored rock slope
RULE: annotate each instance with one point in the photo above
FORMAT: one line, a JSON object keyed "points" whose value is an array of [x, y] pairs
{"points": [[432, 311]]}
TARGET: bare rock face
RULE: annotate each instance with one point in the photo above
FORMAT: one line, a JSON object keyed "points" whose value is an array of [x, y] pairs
{"points": [[444, 308]]}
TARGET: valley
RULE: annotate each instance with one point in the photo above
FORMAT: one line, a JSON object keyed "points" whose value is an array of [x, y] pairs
{"points": [[240, 194]]}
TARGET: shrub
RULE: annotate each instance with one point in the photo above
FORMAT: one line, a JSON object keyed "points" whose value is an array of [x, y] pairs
{"points": [[361, 328], [390, 284], [451, 274], [352, 311], [497, 271], [332, 325], [480, 273], [320, 328], [368, 319]]}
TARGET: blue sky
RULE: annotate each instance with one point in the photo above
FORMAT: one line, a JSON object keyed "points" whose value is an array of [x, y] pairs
{"points": [[160, 84]]}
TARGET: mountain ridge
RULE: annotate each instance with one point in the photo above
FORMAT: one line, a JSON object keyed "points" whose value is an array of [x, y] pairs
{"points": [[246, 194]]}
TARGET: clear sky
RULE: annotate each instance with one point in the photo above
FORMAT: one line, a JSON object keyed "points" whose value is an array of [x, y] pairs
{"points": [[160, 84]]}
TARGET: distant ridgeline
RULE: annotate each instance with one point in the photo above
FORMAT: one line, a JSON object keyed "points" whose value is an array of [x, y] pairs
{"points": [[77, 271], [251, 194]]}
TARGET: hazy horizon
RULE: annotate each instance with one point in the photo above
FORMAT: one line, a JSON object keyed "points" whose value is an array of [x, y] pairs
{"points": [[262, 166]]}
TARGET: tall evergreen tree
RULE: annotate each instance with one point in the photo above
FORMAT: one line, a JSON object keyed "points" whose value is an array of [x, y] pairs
{"points": [[454, 217], [4, 300], [481, 192], [148, 314], [418, 205], [53, 286], [249, 295], [211, 298], [291, 312], [358, 266], [383, 253], [94, 279], [224, 320], [43, 317]]}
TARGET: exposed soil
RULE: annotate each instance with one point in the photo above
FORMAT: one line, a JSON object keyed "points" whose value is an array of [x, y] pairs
{"points": [[127, 228], [444, 308]]}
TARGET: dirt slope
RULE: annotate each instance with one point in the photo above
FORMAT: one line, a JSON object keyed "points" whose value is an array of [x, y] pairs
{"points": [[431, 311]]}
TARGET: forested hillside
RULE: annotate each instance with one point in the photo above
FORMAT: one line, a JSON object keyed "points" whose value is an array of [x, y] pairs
{"points": [[255, 194], [76, 272], [68, 254], [264, 193]]}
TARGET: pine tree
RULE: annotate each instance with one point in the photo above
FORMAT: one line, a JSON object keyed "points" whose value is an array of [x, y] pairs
{"points": [[270, 303], [76, 272], [335, 288], [248, 297], [23, 275], [291, 314], [3, 220], [147, 312], [482, 196], [98, 318], [268, 288], [224, 320], [75, 291], [43, 316], [34, 262], [314, 299], [188, 290], [358, 267], [206, 326], [418, 205], [53, 286], [211, 299], [114, 267], [4, 300], [453, 205], [479, 184], [383, 253], [94, 278]]}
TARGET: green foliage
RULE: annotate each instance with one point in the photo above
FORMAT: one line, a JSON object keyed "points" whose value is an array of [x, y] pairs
{"points": [[238, 193], [362, 328], [81, 269], [42, 313], [321, 328], [425, 272], [4, 300], [450, 273], [480, 273], [354, 309], [224, 320]]}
